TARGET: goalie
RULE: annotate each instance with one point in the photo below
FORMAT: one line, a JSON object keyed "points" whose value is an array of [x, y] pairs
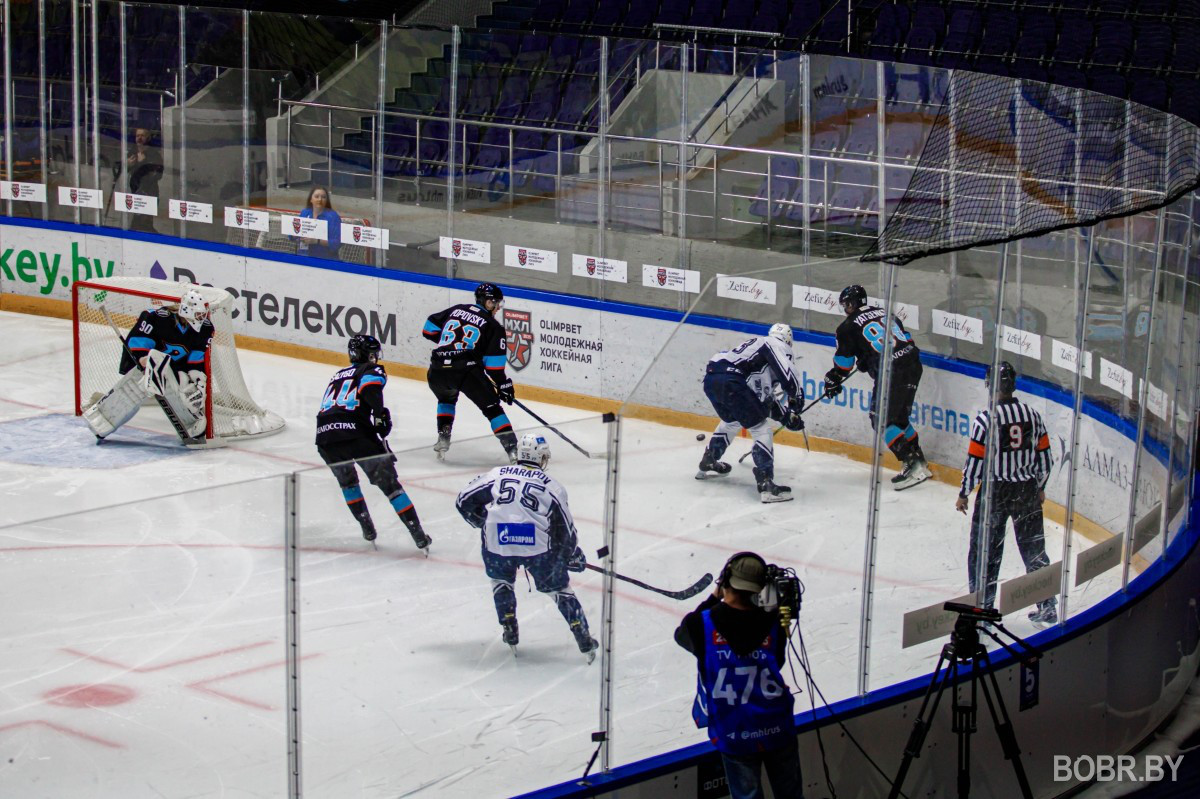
{"points": [[164, 355]]}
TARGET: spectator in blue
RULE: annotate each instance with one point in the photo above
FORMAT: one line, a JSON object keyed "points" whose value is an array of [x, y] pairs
{"points": [[320, 206]]}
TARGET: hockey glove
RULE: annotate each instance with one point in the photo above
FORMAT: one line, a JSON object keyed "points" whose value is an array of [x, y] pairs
{"points": [[191, 387], [793, 421], [833, 382], [383, 423], [577, 562], [505, 390]]}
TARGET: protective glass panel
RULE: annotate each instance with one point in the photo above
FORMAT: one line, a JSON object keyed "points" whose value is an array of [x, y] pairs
{"points": [[28, 91], [674, 528], [410, 663], [415, 140], [310, 64], [144, 643], [63, 134]]}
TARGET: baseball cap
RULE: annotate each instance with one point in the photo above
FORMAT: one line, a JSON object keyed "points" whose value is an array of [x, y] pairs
{"points": [[747, 573]]}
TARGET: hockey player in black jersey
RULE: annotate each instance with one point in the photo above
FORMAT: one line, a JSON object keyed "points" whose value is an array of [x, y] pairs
{"points": [[469, 358], [165, 353], [352, 428], [860, 339]]}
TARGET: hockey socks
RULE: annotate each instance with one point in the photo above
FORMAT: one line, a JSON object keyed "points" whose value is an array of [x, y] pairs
{"points": [[572, 611], [358, 508], [505, 599]]}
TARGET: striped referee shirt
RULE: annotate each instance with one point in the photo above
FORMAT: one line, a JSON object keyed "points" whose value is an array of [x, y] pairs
{"points": [[1022, 444]]}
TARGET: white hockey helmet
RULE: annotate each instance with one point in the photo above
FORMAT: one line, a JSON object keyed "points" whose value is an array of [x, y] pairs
{"points": [[532, 448], [193, 309], [781, 331]]}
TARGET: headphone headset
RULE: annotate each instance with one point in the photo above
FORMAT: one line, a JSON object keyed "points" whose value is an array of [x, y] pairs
{"points": [[726, 571]]}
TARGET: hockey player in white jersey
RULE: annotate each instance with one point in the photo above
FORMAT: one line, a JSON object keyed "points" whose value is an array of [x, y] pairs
{"points": [[525, 522], [748, 386]]}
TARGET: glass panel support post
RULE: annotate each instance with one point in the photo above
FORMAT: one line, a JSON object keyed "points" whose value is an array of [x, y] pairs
{"points": [[291, 550], [611, 485]]}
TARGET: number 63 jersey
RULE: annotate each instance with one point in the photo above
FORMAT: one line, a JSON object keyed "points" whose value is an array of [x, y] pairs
{"points": [[349, 399], [521, 511]]}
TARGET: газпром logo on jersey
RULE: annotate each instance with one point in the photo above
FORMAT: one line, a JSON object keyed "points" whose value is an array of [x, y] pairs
{"points": [[518, 337], [521, 534]]}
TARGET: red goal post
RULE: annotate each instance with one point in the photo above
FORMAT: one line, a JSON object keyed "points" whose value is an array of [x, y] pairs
{"points": [[230, 411]]}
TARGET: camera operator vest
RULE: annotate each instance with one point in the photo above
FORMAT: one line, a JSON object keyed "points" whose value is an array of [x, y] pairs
{"points": [[742, 699]]}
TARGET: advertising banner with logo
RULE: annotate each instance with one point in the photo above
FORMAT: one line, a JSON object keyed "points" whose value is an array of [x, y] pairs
{"points": [[816, 299], [247, 219], [953, 325], [1021, 342], [529, 258], [587, 351], [600, 268], [1066, 356], [25, 192], [135, 203], [304, 226], [668, 277], [374, 237], [190, 211], [746, 289], [908, 314], [80, 198], [465, 250]]}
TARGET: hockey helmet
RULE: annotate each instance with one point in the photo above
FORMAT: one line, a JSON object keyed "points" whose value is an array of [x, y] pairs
{"points": [[488, 291], [364, 349], [1008, 378], [781, 331], [854, 295], [532, 448], [193, 309]]}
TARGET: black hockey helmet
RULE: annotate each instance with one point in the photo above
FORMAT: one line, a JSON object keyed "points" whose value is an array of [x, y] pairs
{"points": [[856, 295], [487, 291], [363, 349], [1008, 378]]}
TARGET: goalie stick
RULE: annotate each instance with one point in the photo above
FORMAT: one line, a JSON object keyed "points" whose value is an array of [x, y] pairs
{"points": [[686, 593], [180, 430], [803, 411]]}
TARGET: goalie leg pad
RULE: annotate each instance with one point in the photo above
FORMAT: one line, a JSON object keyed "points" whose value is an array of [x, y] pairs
{"points": [[184, 394], [116, 407]]}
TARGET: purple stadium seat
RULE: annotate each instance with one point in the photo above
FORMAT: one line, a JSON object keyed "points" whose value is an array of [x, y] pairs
{"points": [[785, 177], [1074, 42], [1153, 45]]}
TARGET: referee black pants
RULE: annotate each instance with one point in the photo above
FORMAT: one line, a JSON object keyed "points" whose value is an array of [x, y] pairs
{"points": [[1020, 502]]}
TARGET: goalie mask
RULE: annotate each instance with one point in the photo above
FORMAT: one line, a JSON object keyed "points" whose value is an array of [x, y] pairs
{"points": [[193, 309], [533, 448]]}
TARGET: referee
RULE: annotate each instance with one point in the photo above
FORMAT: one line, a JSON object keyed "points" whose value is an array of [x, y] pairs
{"points": [[1020, 468]]}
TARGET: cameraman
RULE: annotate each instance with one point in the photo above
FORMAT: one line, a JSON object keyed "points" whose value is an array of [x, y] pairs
{"points": [[740, 649]]}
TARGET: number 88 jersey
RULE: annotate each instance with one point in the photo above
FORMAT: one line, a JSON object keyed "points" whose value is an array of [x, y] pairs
{"points": [[352, 394]]}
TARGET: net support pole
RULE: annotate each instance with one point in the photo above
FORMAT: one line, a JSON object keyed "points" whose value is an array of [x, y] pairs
{"points": [[986, 495], [611, 485], [291, 552], [1076, 412], [882, 385], [1142, 389]]}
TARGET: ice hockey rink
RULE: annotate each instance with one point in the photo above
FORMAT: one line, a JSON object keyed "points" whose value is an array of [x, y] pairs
{"points": [[142, 642]]}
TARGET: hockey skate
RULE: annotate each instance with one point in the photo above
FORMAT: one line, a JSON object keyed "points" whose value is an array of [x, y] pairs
{"points": [[442, 446], [512, 454], [420, 538], [368, 528], [768, 491], [711, 467], [587, 644], [1043, 617], [915, 472], [510, 634]]}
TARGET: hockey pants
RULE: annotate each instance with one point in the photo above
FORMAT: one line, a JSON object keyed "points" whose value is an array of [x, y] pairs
{"points": [[739, 407], [899, 435], [549, 573], [1018, 501], [447, 384]]}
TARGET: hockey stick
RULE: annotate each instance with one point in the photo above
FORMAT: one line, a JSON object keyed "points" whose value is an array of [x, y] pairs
{"points": [[803, 411], [551, 427], [180, 430], [686, 593]]}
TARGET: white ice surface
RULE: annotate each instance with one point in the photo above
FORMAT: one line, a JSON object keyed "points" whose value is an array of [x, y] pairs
{"points": [[142, 645]]}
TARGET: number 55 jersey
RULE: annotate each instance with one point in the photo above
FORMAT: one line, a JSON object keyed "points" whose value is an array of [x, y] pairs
{"points": [[521, 510], [349, 400]]}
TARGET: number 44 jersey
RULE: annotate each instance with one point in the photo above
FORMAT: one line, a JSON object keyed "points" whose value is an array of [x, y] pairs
{"points": [[351, 396], [522, 511]]}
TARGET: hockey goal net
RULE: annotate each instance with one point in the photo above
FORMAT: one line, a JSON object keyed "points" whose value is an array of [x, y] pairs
{"points": [[102, 304]]}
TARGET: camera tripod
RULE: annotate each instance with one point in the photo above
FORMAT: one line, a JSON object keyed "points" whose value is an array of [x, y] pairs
{"points": [[966, 649]]}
